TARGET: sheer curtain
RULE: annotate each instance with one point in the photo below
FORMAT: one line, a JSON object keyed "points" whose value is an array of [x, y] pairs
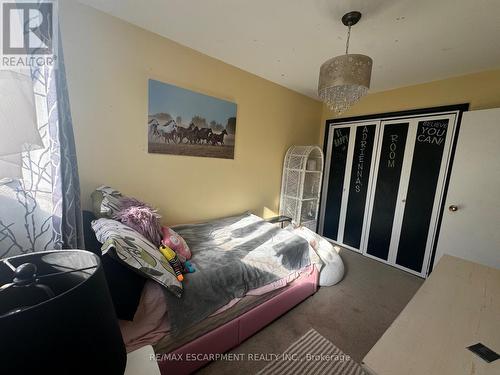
{"points": [[41, 210]]}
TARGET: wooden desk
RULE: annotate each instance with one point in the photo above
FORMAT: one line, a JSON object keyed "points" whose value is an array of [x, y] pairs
{"points": [[457, 306]]}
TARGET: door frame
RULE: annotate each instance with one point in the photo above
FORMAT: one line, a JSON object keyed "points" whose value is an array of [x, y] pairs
{"points": [[457, 109]]}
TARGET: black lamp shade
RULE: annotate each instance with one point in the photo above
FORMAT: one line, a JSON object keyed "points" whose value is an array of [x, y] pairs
{"points": [[72, 331]]}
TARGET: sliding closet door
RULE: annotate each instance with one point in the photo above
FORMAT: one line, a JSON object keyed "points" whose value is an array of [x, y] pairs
{"points": [[382, 213], [384, 184], [424, 192], [338, 145], [412, 161], [348, 175], [359, 184]]}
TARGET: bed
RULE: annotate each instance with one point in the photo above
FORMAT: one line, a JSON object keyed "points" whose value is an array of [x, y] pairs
{"points": [[244, 289], [236, 330]]}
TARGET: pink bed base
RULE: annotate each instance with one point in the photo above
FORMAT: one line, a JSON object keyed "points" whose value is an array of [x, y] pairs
{"points": [[231, 334]]}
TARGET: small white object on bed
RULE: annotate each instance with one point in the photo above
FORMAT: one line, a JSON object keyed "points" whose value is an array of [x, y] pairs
{"points": [[332, 269]]}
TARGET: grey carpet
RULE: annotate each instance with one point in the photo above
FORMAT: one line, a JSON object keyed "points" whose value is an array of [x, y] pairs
{"points": [[315, 355], [352, 314]]}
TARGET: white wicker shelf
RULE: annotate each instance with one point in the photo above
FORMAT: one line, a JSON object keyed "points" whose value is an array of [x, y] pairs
{"points": [[304, 199], [300, 170], [301, 185]]}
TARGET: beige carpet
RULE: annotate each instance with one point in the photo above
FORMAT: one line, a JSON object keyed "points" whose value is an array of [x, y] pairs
{"points": [[352, 314], [313, 354]]}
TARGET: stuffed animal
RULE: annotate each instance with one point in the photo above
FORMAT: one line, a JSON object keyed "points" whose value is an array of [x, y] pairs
{"points": [[188, 267], [174, 261], [176, 243]]}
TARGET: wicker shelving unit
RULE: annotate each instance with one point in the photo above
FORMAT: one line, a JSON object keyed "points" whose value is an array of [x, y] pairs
{"points": [[301, 185]]}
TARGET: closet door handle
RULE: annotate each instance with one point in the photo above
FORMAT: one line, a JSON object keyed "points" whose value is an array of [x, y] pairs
{"points": [[453, 208]]}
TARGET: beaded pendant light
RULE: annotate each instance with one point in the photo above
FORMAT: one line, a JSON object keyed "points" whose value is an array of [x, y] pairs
{"points": [[344, 79]]}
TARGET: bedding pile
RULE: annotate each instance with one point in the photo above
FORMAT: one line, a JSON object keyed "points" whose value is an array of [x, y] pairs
{"points": [[326, 258], [232, 256]]}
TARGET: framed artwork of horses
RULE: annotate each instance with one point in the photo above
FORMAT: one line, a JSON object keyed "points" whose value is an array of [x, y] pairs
{"points": [[184, 122]]}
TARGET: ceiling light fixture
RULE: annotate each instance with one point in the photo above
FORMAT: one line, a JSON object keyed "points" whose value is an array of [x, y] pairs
{"points": [[344, 79]]}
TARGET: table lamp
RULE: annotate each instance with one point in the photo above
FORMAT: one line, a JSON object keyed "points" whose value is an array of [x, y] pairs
{"points": [[57, 317]]}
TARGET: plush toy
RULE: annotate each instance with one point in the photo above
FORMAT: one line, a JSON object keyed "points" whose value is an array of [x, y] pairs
{"points": [[176, 243], [188, 267], [173, 260], [140, 217]]}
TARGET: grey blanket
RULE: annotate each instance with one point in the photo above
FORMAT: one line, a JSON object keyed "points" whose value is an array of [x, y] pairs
{"points": [[232, 256]]}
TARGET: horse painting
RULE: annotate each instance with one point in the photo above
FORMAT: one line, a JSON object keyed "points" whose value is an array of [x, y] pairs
{"points": [[183, 122]]}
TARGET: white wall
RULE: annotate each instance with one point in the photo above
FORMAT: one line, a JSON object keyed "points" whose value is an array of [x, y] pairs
{"points": [[473, 232]]}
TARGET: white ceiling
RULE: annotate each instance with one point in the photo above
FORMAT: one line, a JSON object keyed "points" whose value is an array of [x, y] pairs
{"points": [[286, 41]]}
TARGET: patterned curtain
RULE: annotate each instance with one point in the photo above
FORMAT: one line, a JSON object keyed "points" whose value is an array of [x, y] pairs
{"points": [[42, 210]]}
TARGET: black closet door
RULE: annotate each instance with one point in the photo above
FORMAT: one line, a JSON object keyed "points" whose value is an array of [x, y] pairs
{"points": [[425, 168], [340, 143], [358, 186], [386, 189]]}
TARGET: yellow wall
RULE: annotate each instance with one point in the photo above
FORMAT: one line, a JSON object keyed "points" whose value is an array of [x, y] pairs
{"points": [[481, 90], [108, 63]]}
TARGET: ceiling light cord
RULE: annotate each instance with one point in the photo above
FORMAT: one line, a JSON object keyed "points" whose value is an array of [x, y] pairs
{"points": [[347, 42]]}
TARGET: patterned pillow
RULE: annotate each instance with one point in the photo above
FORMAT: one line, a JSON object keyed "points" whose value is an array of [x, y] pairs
{"points": [[106, 201], [137, 252], [176, 243]]}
